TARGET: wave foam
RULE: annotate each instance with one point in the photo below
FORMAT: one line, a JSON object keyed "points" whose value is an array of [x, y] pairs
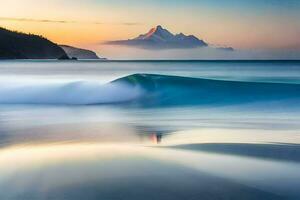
{"points": [[151, 90], [72, 93]]}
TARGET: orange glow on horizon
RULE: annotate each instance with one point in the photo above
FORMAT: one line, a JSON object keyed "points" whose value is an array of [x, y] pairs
{"points": [[91, 22]]}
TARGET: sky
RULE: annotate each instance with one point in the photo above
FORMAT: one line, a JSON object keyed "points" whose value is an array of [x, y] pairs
{"points": [[264, 25]]}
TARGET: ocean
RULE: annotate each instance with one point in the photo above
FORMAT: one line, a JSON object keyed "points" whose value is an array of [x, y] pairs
{"points": [[149, 129]]}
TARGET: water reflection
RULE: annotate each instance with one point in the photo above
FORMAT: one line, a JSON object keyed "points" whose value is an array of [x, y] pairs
{"points": [[132, 171], [156, 138], [113, 153]]}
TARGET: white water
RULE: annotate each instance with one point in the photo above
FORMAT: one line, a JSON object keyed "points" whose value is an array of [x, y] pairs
{"points": [[70, 93]]}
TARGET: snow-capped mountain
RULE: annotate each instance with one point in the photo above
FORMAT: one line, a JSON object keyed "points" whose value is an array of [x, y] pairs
{"points": [[157, 34], [160, 38]]}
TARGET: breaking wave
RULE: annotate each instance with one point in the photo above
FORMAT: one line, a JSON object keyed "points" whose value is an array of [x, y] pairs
{"points": [[152, 90], [73, 93]]}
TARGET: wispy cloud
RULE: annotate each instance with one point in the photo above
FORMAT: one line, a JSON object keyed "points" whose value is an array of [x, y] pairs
{"points": [[35, 20], [65, 21], [131, 23]]}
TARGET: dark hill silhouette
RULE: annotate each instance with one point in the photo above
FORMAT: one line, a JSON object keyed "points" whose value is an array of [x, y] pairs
{"points": [[16, 45], [79, 53]]}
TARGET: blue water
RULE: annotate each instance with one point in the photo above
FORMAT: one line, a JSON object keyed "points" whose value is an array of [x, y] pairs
{"points": [[143, 129]]}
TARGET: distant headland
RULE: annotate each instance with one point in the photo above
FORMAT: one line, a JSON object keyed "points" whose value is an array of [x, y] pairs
{"points": [[17, 45]]}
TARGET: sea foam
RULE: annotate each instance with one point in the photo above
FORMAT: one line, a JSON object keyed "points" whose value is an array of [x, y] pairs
{"points": [[70, 93]]}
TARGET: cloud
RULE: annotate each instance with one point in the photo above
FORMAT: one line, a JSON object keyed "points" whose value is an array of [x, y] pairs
{"points": [[34, 20], [64, 21], [131, 23]]}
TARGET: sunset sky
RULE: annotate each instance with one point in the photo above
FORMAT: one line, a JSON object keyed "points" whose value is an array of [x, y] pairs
{"points": [[248, 24]]}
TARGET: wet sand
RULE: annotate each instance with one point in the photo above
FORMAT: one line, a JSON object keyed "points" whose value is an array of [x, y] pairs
{"points": [[277, 151], [115, 171]]}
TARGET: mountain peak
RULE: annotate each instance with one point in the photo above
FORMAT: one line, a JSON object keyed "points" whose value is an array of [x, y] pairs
{"points": [[160, 38], [157, 33], [159, 27]]}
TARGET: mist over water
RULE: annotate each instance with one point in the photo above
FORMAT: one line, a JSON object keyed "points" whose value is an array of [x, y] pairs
{"points": [[201, 53], [71, 93], [68, 130]]}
